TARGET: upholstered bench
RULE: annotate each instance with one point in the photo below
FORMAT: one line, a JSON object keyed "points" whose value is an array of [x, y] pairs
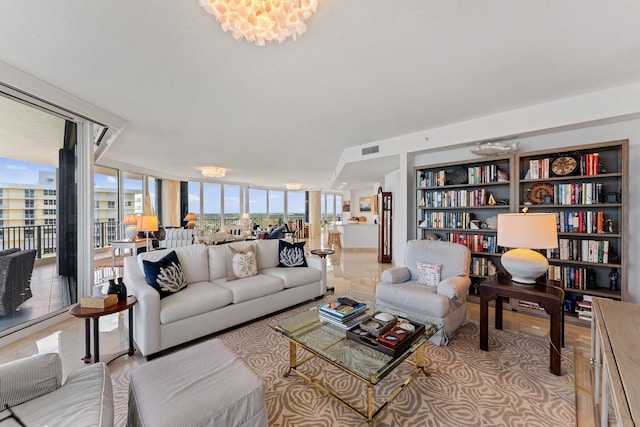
{"points": [[206, 384]]}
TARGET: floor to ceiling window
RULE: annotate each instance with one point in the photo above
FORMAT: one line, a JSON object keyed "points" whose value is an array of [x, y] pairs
{"points": [[31, 143], [296, 206], [276, 208], [105, 206], [257, 207], [231, 206], [212, 208]]}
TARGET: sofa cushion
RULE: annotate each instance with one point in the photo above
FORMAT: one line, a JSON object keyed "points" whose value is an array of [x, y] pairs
{"points": [[293, 277], [291, 254], [165, 275], [193, 259], [198, 298], [252, 287], [267, 253], [416, 298], [217, 261], [241, 262], [428, 274], [195, 265]]}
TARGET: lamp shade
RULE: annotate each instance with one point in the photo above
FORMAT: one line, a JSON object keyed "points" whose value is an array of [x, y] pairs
{"points": [[523, 232], [190, 217], [527, 230], [245, 215], [148, 223], [130, 219]]}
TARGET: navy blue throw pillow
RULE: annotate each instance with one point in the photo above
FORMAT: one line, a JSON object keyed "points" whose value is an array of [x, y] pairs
{"points": [[165, 275], [291, 254]]}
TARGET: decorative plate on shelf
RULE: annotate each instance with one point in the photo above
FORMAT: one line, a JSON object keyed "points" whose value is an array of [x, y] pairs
{"points": [[538, 191], [564, 166]]}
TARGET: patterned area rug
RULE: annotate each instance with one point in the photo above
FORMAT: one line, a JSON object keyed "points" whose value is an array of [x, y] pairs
{"points": [[510, 385]]}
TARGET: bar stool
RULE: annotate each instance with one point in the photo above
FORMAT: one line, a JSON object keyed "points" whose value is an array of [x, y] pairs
{"points": [[333, 238]]}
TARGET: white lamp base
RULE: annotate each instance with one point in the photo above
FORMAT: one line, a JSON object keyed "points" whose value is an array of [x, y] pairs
{"points": [[524, 265], [130, 232]]}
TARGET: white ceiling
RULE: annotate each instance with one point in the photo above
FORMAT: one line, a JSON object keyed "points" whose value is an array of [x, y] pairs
{"points": [[365, 71]]}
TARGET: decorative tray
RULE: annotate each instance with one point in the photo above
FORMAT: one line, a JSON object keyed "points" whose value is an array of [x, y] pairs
{"points": [[356, 333]]}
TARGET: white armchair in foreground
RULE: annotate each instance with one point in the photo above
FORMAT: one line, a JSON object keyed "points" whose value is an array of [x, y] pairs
{"points": [[421, 293]]}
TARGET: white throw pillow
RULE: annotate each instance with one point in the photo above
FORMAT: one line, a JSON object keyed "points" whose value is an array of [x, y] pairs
{"points": [[428, 274]]}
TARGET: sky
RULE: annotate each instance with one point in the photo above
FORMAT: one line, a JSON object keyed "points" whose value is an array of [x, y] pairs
{"points": [[18, 172]]}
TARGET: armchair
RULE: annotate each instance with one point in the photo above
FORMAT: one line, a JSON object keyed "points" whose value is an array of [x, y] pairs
{"points": [[33, 388], [445, 302], [16, 267]]}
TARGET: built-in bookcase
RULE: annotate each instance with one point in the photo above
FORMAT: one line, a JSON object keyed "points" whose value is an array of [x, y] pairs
{"points": [[585, 186], [460, 201]]}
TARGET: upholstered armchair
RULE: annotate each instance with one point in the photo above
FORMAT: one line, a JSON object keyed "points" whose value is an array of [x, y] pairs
{"points": [[417, 292], [16, 267]]}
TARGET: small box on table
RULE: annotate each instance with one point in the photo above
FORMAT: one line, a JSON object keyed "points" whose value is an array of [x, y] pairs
{"points": [[99, 302]]}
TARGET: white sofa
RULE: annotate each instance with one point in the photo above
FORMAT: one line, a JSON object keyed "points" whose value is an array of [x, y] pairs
{"points": [[210, 303], [33, 389]]}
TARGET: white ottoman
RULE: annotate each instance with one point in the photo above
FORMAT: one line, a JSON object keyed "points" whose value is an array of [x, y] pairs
{"points": [[205, 385]]}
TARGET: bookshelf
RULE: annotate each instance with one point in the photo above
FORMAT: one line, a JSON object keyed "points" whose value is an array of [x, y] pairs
{"points": [[460, 201], [587, 188]]}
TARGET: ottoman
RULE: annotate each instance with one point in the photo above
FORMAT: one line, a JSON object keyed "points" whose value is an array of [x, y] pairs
{"points": [[205, 385]]}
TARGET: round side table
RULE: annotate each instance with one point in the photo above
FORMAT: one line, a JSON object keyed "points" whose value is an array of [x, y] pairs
{"points": [[87, 313], [322, 253]]}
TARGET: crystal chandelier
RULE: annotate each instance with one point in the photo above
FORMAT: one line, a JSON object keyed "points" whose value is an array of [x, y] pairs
{"points": [[262, 20], [294, 186], [213, 172]]}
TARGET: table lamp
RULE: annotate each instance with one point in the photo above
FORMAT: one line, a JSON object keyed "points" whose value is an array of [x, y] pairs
{"points": [[147, 223], [131, 221], [523, 232], [191, 219]]}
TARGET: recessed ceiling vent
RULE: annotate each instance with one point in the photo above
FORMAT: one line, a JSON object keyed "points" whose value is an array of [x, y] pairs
{"points": [[370, 150]]}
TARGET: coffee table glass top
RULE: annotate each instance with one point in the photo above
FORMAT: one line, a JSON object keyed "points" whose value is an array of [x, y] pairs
{"points": [[330, 342]]}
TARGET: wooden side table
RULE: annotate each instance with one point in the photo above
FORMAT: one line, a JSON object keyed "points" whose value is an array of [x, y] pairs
{"points": [[95, 314], [547, 296]]}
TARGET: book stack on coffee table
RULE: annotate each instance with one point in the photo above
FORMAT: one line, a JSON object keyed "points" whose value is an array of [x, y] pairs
{"points": [[343, 312]]}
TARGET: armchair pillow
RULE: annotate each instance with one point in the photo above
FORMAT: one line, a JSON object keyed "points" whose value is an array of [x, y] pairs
{"points": [[396, 275], [429, 274]]}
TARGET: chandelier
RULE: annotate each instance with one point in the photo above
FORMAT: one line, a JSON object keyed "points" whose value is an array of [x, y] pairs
{"points": [[214, 172], [262, 20], [294, 186]]}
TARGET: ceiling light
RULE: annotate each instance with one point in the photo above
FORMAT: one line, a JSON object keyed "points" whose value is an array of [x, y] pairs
{"points": [[213, 172], [264, 20], [294, 186]]}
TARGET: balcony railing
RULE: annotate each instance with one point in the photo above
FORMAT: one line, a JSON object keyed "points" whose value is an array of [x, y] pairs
{"points": [[43, 238]]}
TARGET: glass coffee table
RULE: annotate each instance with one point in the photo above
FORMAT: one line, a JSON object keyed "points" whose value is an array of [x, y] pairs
{"points": [[329, 343]]}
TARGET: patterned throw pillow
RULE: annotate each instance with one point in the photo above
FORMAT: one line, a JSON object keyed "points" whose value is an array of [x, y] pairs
{"points": [[291, 254], [241, 262], [428, 274], [165, 275]]}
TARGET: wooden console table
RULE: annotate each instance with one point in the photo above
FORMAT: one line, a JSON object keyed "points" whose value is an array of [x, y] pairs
{"points": [[548, 297], [615, 355]]}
